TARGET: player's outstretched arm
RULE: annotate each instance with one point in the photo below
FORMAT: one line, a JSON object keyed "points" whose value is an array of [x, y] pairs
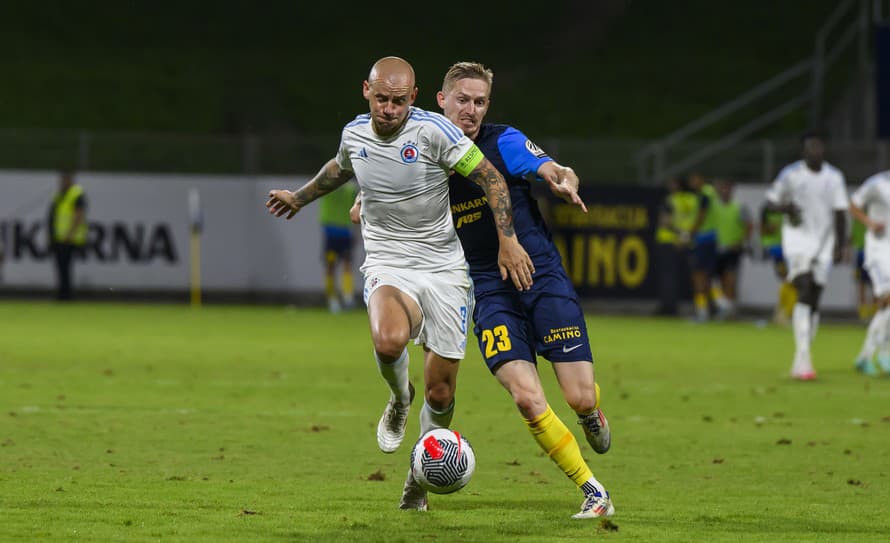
{"points": [[563, 182], [513, 261], [840, 234], [284, 202], [860, 215]]}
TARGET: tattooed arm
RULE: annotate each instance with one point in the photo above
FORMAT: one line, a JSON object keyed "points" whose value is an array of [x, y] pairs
{"points": [[513, 261], [329, 178]]}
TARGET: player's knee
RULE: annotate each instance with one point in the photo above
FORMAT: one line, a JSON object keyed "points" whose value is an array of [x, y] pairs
{"points": [[390, 345], [581, 401], [530, 401], [439, 395]]}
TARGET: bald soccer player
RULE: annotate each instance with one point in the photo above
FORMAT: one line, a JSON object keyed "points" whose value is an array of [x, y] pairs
{"points": [[416, 276]]}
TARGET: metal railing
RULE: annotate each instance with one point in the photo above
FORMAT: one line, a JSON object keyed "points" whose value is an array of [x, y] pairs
{"points": [[662, 158]]}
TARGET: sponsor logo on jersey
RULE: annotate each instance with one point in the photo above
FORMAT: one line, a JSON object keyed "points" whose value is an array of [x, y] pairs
{"points": [[409, 152], [534, 149]]}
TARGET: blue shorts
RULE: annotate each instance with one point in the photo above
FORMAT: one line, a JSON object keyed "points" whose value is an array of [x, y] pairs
{"points": [[704, 256], [546, 320], [775, 253], [337, 240], [859, 271]]}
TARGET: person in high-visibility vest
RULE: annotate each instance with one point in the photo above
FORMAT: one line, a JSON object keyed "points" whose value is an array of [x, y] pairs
{"points": [[672, 241], [704, 248], [734, 227], [67, 230], [864, 294], [337, 229]]}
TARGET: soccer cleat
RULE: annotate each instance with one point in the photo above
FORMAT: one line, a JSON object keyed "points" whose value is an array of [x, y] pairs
{"points": [[596, 430], [413, 496], [391, 428], [595, 506], [866, 367]]}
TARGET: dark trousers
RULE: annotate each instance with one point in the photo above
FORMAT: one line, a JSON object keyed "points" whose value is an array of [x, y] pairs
{"points": [[667, 258], [64, 256]]}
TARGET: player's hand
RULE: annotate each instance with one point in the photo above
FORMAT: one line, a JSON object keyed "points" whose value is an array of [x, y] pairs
{"points": [[283, 202], [515, 263], [564, 190], [878, 228], [355, 212]]}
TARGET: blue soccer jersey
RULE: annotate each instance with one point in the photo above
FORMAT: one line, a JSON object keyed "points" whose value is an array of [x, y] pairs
{"points": [[509, 324]]}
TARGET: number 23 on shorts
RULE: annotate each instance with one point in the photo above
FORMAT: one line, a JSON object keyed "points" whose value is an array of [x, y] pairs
{"points": [[496, 340]]}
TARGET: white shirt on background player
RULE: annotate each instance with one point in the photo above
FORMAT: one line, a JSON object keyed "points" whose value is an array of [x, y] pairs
{"points": [[873, 196], [817, 195], [406, 217]]}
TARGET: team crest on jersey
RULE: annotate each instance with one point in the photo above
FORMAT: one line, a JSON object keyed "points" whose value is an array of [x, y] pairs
{"points": [[534, 149], [409, 152]]}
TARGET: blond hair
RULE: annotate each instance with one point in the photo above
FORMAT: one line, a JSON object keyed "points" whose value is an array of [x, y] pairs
{"points": [[467, 70]]}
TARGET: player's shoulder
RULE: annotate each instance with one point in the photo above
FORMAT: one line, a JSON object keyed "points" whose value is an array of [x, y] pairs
{"points": [[882, 177], [360, 120], [791, 169], [439, 123], [833, 170]]}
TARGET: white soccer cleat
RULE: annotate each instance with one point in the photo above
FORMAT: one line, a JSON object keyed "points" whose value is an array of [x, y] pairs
{"points": [[391, 428], [413, 496], [595, 506], [596, 430]]}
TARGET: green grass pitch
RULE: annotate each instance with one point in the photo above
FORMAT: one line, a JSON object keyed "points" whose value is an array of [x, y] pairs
{"points": [[162, 423]]}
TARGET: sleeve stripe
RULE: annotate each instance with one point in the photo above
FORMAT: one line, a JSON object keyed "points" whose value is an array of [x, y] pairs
{"points": [[453, 133]]}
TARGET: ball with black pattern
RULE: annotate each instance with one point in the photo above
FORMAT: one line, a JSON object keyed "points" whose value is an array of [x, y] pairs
{"points": [[442, 461]]}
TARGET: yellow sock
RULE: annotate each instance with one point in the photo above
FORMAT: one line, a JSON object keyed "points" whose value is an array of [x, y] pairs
{"points": [[348, 285], [787, 298], [717, 293], [560, 445], [701, 301], [596, 387]]}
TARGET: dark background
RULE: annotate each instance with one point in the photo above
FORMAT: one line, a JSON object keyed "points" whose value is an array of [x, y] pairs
{"points": [[601, 68]]}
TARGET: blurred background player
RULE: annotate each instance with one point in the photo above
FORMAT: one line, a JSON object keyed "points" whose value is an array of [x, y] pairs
{"points": [[676, 218], [771, 245], [67, 231], [865, 303], [733, 224], [812, 195], [704, 246], [337, 231], [416, 281], [870, 205]]}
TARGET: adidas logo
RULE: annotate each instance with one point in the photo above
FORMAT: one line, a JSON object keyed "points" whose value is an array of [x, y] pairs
{"points": [[363, 153]]}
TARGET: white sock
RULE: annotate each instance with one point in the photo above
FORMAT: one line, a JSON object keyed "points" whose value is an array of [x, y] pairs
{"points": [[814, 325], [801, 321], [593, 485], [431, 419], [396, 376], [874, 336]]}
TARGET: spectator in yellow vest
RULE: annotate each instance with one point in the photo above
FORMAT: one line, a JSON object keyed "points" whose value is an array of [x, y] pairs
{"points": [[734, 228], [67, 230]]}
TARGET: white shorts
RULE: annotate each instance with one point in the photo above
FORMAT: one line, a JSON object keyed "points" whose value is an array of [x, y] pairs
{"points": [[879, 271], [800, 263], [445, 298]]}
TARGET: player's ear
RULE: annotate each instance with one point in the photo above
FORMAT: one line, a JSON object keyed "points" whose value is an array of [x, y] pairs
{"points": [[414, 95], [366, 90], [440, 99]]}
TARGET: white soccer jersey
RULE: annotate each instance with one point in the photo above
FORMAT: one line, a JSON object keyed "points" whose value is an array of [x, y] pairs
{"points": [[406, 219], [818, 195], [874, 197]]}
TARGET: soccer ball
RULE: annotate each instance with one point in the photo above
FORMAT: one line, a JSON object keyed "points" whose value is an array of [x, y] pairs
{"points": [[442, 461]]}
